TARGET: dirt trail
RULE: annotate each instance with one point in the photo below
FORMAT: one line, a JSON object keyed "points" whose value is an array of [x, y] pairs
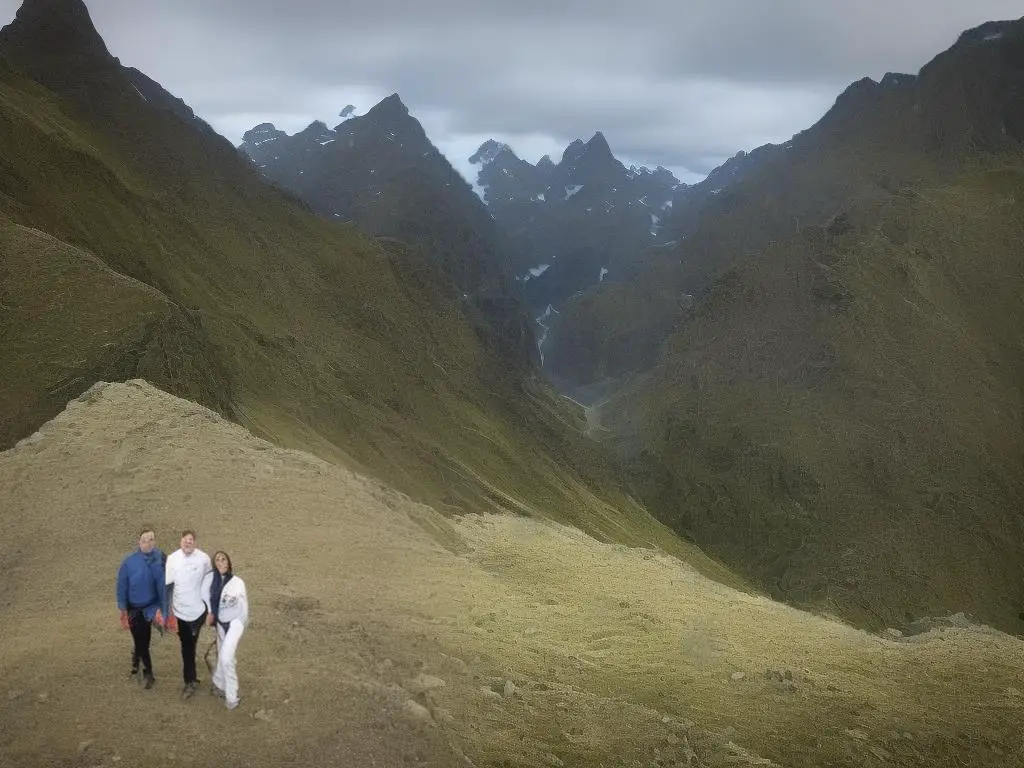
{"points": [[496, 640]]}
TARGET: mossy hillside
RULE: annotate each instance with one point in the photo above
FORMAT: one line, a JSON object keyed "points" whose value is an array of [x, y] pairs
{"points": [[839, 412], [842, 416], [313, 333]]}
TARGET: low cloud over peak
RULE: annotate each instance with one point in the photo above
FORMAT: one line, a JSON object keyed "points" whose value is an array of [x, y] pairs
{"points": [[673, 84]]}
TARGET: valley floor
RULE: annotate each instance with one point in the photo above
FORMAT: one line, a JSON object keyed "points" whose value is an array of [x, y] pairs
{"points": [[383, 634]]}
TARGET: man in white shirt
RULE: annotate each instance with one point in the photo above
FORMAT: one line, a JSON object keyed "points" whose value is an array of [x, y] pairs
{"points": [[184, 573]]}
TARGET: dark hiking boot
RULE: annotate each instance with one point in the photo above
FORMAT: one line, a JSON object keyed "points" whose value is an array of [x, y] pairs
{"points": [[188, 691], [148, 680]]}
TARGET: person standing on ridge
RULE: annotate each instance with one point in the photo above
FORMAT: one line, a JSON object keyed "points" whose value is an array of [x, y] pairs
{"points": [[229, 609], [142, 600], [186, 569]]}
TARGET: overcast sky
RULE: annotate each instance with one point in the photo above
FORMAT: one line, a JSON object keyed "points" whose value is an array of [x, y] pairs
{"points": [[680, 84]]}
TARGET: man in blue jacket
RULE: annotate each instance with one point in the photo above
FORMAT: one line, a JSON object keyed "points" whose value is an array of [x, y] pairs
{"points": [[142, 599]]}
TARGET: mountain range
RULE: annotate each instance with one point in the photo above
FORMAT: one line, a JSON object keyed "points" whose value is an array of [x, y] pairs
{"points": [[576, 223], [558, 229]]}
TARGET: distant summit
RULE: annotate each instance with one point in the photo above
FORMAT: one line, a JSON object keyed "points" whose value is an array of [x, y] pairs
{"points": [[261, 134], [387, 110], [380, 172], [575, 223]]}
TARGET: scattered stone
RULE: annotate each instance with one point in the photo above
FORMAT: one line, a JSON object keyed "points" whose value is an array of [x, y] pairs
{"points": [[262, 714], [116, 758], [1013, 692], [688, 754], [510, 689], [531, 631], [490, 693], [423, 683], [880, 753], [908, 736], [84, 745], [672, 739], [42, 698], [417, 711], [737, 676], [737, 754], [856, 733], [893, 632], [550, 759], [12, 695]]}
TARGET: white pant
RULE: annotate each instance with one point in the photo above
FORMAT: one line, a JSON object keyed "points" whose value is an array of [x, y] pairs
{"points": [[225, 676]]}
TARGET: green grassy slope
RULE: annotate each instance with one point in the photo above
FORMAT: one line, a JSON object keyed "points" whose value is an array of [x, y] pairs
{"points": [[839, 412], [842, 416], [308, 333]]}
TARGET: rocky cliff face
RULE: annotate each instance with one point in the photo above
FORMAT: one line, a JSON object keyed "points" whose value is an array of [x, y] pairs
{"points": [[577, 222], [381, 172]]}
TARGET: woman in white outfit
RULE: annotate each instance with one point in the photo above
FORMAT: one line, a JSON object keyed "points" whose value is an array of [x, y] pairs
{"points": [[228, 604]]}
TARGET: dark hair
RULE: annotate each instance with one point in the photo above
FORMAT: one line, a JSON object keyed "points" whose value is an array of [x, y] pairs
{"points": [[188, 532], [146, 529], [226, 557]]}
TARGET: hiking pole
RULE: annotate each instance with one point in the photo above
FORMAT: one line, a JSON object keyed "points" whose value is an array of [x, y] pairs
{"points": [[206, 656]]}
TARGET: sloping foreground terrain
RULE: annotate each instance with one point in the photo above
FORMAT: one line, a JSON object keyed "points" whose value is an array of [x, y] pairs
{"points": [[518, 642]]}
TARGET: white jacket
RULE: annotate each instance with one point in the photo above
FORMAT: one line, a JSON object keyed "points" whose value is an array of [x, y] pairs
{"points": [[186, 573], [234, 601]]}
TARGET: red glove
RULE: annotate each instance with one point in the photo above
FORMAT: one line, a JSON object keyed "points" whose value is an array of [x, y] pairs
{"points": [[124, 620], [171, 623], [158, 618]]}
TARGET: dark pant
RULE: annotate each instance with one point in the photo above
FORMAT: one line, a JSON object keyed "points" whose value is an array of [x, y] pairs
{"points": [[142, 631], [188, 633]]}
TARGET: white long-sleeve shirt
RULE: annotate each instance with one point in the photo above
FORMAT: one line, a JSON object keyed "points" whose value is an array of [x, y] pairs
{"points": [[234, 600], [186, 573]]}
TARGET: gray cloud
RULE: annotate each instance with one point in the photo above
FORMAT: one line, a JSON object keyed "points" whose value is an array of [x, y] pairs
{"points": [[683, 85]]}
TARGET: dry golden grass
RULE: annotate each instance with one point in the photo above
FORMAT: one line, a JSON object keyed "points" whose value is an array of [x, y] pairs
{"points": [[364, 601]]}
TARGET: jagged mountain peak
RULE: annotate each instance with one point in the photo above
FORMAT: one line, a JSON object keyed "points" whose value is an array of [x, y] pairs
{"points": [[52, 26], [489, 151], [599, 144], [388, 109], [261, 134], [573, 151], [316, 131]]}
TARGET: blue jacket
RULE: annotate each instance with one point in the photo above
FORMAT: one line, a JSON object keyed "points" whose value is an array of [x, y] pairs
{"points": [[140, 583]]}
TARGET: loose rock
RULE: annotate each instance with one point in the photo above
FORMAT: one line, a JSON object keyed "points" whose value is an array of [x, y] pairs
{"points": [[417, 712]]}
